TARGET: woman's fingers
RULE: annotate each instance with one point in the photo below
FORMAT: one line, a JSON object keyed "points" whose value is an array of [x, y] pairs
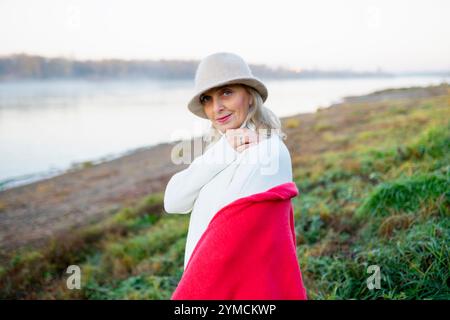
{"points": [[241, 137], [245, 146]]}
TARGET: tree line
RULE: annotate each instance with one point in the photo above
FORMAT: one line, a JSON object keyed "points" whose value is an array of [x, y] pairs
{"points": [[24, 66]]}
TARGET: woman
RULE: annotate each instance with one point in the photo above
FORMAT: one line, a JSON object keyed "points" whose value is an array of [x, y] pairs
{"points": [[246, 154]]}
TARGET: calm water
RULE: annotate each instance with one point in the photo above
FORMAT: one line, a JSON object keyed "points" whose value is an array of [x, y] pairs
{"points": [[46, 127]]}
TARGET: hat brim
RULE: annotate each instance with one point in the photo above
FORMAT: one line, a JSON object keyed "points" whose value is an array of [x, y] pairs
{"points": [[196, 107]]}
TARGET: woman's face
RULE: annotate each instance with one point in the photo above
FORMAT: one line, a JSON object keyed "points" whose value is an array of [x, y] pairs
{"points": [[226, 106]]}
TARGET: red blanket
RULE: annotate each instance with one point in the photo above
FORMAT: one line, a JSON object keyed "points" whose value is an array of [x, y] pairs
{"points": [[247, 252]]}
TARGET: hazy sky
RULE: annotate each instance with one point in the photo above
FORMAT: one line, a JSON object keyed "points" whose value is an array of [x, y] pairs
{"points": [[396, 35]]}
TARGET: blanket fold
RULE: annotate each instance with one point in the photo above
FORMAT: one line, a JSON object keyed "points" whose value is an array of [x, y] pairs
{"points": [[247, 252]]}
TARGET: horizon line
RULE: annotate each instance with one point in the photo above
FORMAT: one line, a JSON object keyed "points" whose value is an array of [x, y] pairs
{"points": [[270, 65]]}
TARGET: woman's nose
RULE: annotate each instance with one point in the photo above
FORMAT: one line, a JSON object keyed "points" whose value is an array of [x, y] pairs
{"points": [[218, 106]]}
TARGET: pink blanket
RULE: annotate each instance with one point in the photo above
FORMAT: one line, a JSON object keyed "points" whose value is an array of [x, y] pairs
{"points": [[247, 252]]}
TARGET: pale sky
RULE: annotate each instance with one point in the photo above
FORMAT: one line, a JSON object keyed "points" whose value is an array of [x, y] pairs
{"points": [[396, 35]]}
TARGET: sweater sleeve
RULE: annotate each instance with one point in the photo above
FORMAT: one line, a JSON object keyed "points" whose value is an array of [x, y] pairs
{"points": [[183, 188], [261, 167]]}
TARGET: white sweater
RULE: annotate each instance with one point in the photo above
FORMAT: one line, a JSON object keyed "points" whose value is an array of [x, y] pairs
{"points": [[222, 175]]}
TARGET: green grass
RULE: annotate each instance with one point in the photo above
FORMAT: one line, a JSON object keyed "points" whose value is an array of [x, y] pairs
{"points": [[373, 213], [106, 251]]}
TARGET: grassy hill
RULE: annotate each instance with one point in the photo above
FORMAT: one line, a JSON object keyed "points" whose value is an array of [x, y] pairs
{"points": [[373, 176]]}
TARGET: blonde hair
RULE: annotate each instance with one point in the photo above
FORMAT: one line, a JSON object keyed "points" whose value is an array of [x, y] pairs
{"points": [[258, 116]]}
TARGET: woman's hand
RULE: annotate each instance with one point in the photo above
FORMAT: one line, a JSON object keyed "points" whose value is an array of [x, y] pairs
{"points": [[242, 138]]}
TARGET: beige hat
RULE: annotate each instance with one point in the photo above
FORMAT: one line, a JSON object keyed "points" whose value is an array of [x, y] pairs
{"points": [[219, 69]]}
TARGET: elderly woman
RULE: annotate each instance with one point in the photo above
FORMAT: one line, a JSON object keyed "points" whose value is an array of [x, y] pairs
{"points": [[246, 157]]}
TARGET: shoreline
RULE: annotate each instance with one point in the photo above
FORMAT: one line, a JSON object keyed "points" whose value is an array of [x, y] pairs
{"points": [[31, 214], [31, 175], [75, 166]]}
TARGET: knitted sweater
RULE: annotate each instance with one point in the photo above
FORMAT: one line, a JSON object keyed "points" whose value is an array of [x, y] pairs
{"points": [[222, 175], [247, 252]]}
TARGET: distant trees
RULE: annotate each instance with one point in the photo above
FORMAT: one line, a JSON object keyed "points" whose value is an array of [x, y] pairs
{"points": [[23, 66]]}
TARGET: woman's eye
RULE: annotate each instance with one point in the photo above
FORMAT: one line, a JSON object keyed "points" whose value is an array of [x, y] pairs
{"points": [[203, 99]]}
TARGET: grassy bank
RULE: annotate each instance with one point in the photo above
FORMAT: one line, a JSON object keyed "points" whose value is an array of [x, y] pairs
{"points": [[374, 190]]}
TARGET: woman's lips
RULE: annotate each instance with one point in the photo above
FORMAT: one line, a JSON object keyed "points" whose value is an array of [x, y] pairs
{"points": [[224, 119]]}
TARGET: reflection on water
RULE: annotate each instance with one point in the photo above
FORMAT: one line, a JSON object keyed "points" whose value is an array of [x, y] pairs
{"points": [[45, 127]]}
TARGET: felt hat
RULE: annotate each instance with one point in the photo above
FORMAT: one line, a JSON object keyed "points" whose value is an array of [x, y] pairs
{"points": [[219, 69]]}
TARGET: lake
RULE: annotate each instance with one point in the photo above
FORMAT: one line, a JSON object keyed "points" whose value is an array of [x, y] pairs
{"points": [[48, 126]]}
